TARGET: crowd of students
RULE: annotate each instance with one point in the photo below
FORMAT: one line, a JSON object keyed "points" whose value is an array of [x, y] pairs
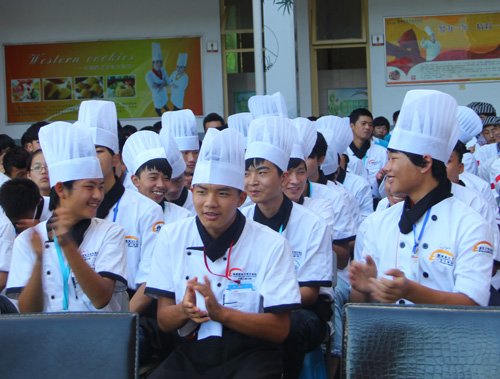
{"points": [[226, 248]]}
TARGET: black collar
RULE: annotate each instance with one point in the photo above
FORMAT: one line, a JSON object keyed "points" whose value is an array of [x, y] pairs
{"points": [[301, 200], [182, 199], [110, 198], [361, 152], [279, 220], [216, 249], [322, 178], [461, 183], [412, 213], [39, 209], [77, 231], [341, 175]]}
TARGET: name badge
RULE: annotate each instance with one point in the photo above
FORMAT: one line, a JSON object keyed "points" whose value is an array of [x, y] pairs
{"points": [[245, 287]]}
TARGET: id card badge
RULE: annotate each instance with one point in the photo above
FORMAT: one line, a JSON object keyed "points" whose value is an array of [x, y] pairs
{"points": [[246, 287]]}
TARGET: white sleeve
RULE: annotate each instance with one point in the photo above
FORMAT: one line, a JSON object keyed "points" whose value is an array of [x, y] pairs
{"points": [[161, 277], [7, 237], [21, 268]]}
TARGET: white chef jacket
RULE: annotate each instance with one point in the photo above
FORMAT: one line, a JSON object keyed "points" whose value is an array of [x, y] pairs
{"points": [[470, 163], [382, 204], [141, 218], [7, 237], [433, 49], [160, 98], [483, 187], [128, 183], [3, 178], [361, 190], [455, 253], [349, 198], [323, 208], [484, 153], [268, 282], [188, 204], [45, 212], [356, 167], [177, 94], [103, 248], [173, 213]]}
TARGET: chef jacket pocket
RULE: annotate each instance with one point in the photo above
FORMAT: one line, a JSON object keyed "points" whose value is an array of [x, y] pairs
{"points": [[241, 301]]}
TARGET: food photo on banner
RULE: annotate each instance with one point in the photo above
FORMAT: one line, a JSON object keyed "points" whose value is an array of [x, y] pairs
{"points": [[144, 78], [442, 49]]}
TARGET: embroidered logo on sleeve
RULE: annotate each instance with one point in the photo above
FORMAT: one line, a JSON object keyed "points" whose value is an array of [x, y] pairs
{"points": [[157, 226], [444, 257], [483, 247], [131, 241]]}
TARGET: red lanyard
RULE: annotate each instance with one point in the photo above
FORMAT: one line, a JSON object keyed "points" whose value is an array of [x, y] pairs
{"points": [[227, 266]]}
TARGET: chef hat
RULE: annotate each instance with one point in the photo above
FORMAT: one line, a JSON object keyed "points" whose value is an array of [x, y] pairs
{"points": [[426, 125], [270, 138], [182, 59], [268, 105], [482, 108], [141, 147], [297, 147], [469, 122], [182, 126], [331, 162], [100, 117], [490, 120], [240, 122], [341, 129], [69, 152], [172, 151], [221, 160], [306, 133], [428, 30], [157, 52]]}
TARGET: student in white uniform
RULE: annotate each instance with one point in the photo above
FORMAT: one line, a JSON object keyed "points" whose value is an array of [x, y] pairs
{"points": [[19, 199], [158, 80], [431, 248], [215, 284], [491, 132], [73, 261], [182, 125], [179, 82], [374, 157]]}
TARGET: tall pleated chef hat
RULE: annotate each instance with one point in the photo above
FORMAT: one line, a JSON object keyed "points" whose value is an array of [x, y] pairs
{"points": [[182, 59], [240, 122], [174, 156], [331, 162], [268, 105], [100, 116], [69, 152], [157, 52], [482, 108], [307, 135], [428, 30], [221, 160], [426, 125], [341, 129], [270, 138], [182, 126], [140, 148], [470, 124]]}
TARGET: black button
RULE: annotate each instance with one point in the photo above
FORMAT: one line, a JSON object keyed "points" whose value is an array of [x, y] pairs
{"points": [[52, 297], [48, 272], [188, 253], [401, 302], [47, 246], [425, 246], [402, 245], [218, 284], [434, 217], [426, 275], [225, 258], [187, 277]]}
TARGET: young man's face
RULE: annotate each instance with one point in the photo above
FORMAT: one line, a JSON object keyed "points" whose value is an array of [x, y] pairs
{"points": [[363, 128], [216, 206], [33, 146], [294, 186], [489, 133], [263, 183], [380, 131], [496, 132], [180, 69], [84, 198], [190, 158], [402, 175], [152, 183], [107, 160], [312, 165], [39, 173], [176, 187], [18, 172], [454, 168]]}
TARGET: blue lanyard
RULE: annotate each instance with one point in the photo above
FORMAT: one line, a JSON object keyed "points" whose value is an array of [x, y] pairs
{"points": [[65, 273], [364, 159], [124, 176], [310, 189], [417, 242], [116, 209], [281, 229]]}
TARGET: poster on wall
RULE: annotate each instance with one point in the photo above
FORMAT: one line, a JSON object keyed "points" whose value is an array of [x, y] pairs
{"points": [[143, 77], [442, 49], [341, 102]]}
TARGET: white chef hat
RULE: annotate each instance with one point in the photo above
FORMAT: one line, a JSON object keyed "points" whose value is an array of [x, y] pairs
{"points": [[270, 138], [69, 152], [221, 160], [426, 125], [174, 156], [157, 52], [240, 122], [100, 117], [141, 147], [268, 105], [331, 162], [306, 133], [297, 147], [341, 129], [182, 59], [428, 30], [469, 122], [182, 126]]}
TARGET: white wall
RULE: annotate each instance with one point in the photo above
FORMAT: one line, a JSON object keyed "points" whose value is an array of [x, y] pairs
{"points": [[31, 21], [387, 100]]}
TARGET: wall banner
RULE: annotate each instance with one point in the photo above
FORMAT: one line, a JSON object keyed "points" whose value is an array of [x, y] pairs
{"points": [[442, 49], [48, 81]]}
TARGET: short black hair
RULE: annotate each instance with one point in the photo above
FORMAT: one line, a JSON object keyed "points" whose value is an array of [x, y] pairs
{"points": [[107, 148], [214, 117], [460, 149], [157, 127], [123, 134], [357, 113], [6, 142], [381, 121], [295, 162], [395, 116], [54, 197], [18, 196], [31, 157], [31, 134], [16, 157], [438, 168], [255, 162], [160, 164], [313, 118], [150, 128], [320, 147]]}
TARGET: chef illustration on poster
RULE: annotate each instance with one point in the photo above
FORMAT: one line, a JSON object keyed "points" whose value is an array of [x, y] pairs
{"points": [[158, 80], [179, 82], [432, 46]]}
